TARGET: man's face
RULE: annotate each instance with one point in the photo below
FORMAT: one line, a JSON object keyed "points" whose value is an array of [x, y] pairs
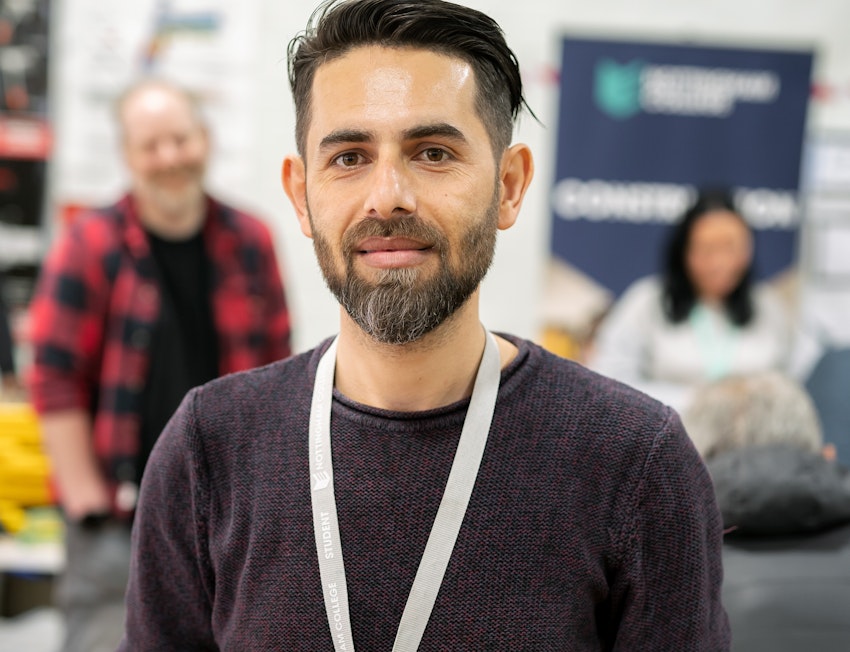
{"points": [[402, 192], [165, 148]]}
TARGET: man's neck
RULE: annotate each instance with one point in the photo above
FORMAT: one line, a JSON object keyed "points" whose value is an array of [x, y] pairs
{"points": [[437, 370], [177, 223]]}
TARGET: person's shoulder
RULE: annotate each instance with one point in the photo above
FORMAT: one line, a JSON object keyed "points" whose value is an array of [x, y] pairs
{"points": [[588, 394], [646, 287], [93, 235], [639, 304], [583, 415], [99, 221], [246, 224]]}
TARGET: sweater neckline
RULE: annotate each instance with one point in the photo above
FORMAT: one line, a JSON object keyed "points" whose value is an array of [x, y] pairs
{"points": [[451, 411]]}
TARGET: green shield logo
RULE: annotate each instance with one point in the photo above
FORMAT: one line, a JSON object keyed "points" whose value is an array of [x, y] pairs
{"points": [[617, 88]]}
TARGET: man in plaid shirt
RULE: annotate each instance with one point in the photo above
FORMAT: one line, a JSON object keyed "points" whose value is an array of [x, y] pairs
{"points": [[136, 304]]}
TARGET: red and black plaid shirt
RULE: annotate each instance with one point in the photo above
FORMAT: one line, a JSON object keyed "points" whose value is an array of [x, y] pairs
{"points": [[98, 301]]}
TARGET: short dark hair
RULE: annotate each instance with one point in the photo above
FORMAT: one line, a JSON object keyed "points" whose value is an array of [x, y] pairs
{"points": [[337, 26], [679, 295]]}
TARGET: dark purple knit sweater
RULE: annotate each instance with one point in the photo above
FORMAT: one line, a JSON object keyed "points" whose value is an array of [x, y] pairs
{"points": [[592, 525]]}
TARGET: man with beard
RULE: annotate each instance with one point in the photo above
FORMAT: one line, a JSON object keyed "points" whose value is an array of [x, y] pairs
{"points": [[479, 493], [138, 303]]}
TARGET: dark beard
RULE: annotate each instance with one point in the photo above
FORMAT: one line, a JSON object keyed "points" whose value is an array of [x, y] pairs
{"points": [[401, 306]]}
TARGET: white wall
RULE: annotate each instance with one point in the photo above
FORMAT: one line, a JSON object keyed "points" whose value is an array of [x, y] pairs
{"points": [[512, 290]]}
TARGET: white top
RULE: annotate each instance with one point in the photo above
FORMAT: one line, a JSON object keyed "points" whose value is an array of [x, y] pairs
{"points": [[638, 345]]}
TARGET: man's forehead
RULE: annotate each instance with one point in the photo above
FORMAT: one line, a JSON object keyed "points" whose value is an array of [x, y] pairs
{"points": [[375, 83], [151, 99], [151, 107], [396, 66]]}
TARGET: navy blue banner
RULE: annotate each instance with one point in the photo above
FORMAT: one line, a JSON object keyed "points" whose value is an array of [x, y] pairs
{"points": [[642, 126]]}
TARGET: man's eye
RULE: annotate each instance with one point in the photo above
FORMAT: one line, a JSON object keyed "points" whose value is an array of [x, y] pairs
{"points": [[348, 160], [435, 154]]}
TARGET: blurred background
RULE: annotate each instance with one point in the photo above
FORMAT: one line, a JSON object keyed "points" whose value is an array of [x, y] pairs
{"points": [[639, 104], [76, 55]]}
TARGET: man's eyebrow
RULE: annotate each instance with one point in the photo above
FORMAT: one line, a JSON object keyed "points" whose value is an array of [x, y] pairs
{"points": [[441, 129], [437, 129], [346, 136]]}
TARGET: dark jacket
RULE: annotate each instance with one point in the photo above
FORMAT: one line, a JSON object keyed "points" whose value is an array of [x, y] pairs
{"points": [[787, 560]]}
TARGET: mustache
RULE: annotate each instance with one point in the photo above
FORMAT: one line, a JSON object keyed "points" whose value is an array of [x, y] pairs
{"points": [[180, 170], [408, 226]]}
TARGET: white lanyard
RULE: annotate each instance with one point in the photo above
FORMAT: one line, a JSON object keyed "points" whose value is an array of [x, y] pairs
{"points": [[447, 523]]}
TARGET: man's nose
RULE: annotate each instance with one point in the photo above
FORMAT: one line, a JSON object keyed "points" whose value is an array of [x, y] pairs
{"points": [[391, 189], [168, 153]]}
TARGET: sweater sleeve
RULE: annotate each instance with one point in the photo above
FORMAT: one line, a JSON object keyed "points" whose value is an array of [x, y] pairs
{"points": [[171, 588], [669, 585]]}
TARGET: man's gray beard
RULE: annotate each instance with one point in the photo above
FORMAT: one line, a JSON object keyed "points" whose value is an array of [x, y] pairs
{"points": [[401, 307], [177, 203]]}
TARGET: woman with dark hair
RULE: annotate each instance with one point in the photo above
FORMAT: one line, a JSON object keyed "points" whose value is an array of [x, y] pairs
{"points": [[702, 318]]}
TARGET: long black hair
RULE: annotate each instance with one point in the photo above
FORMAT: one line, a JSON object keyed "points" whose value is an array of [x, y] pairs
{"points": [[679, 295]]}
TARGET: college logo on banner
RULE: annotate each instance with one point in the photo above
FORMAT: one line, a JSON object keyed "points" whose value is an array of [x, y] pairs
{"points": [[643, 126], [616, 88]]}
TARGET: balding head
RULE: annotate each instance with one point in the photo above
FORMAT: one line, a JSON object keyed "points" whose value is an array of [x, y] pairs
{"points": [[149, 92], [165, 148]]}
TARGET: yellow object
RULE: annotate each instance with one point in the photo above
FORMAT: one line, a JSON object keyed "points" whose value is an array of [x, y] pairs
{"points": [[24, 468], [12, 517], [560, 342]]}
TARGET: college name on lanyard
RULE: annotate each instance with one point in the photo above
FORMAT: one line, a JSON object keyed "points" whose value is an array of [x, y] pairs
{"points": [[441, 541]]}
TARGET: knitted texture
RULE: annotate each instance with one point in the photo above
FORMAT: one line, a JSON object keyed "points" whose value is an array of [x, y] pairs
{"points": [[592, 525]]}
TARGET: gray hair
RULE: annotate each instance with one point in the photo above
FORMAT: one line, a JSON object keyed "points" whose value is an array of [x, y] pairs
{"points": [[752, 410]]}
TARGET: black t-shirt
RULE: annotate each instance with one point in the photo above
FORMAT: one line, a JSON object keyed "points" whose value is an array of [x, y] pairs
{"points": [[184, 350]]}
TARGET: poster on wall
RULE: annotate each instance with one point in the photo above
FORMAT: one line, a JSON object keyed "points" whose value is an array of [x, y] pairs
{"points": [[209, 46], [642, 126]]}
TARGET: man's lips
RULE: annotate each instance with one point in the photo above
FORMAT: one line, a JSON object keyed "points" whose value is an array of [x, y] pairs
{"points": [[376, 245], [391, 253]]}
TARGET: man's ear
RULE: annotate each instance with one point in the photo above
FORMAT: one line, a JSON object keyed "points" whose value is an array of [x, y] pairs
{"points": [[515, 173], [294, 178]]}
